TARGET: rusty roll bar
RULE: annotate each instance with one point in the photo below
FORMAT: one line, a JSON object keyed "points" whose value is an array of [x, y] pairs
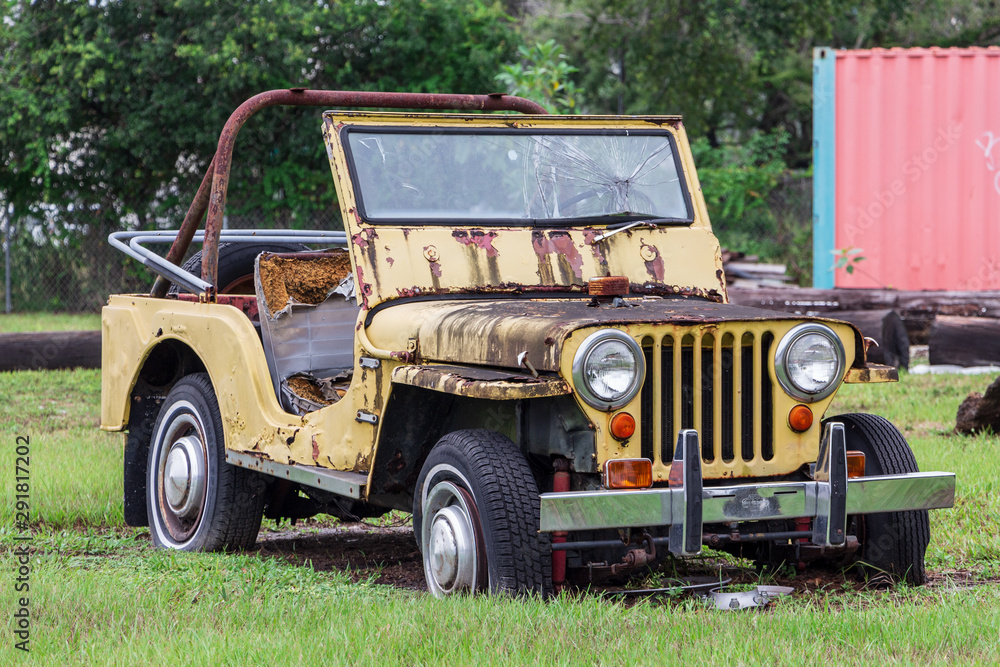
{"points": [[192, 219], [219, 168]]}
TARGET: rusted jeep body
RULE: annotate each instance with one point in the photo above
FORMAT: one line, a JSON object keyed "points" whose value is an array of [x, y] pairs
{"points": [[522, 335]]}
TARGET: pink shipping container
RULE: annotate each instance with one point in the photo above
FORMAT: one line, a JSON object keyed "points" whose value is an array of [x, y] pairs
{"points": [[907, 167]]}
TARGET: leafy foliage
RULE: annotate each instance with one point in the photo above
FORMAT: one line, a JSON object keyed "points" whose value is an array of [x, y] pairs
{"points": [[117, 105], [542, 75], [735, 69], [737, 180], [112, 111], [847, 258]]}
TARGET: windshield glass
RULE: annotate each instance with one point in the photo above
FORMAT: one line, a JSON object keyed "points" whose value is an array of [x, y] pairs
{"points": [[515, 175]]}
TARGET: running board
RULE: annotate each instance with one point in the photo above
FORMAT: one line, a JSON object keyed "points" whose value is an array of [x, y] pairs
{"points": [[350, 484]]}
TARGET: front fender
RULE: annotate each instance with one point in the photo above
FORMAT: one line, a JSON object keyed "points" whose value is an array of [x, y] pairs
{"points": [[220, 335]]}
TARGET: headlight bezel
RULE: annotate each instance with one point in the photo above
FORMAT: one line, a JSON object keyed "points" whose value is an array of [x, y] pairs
{"points": [[781, 361], [582, 356]]}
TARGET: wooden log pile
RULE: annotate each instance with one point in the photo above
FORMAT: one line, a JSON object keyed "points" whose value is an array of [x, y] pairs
{"points": [[960, 328], [748, 271], [49, 350]]}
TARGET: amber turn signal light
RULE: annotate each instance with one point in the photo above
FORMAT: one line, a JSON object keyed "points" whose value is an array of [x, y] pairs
{"points": [[623, 426], [800, 418], [628, 474], [855, 464]]}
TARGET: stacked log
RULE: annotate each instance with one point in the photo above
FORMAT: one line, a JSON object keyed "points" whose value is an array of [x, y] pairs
{"points": [[748, 271], [965, 341], [49, 350], [917, 309]]}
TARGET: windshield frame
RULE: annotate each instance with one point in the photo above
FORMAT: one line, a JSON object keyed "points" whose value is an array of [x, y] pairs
{"points": [[588, 220]]}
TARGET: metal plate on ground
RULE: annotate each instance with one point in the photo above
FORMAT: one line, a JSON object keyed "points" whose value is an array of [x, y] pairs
{"points": [[677, 586]]}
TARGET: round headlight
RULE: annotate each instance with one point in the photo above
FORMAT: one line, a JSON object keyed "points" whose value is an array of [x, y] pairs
{"points": [[608, 369], [809, 362]]}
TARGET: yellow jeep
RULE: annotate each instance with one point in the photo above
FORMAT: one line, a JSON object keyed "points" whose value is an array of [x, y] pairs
{"points": [[522, 335]]}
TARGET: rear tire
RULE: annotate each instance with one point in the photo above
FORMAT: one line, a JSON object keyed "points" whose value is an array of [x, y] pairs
{"points": [[476, 516], [892, 543], [195, 500]]}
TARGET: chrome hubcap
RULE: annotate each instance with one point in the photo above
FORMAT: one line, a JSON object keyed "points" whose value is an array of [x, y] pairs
{"points": [[179, 481], [449, 540], [452, 549], [184, 477]]}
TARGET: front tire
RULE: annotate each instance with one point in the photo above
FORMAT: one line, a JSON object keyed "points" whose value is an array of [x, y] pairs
{"points": [[195, 501], [892, 543], [476, 516]]}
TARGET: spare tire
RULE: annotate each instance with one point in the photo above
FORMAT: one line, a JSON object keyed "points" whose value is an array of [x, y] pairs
{"points": [[236, 261]]}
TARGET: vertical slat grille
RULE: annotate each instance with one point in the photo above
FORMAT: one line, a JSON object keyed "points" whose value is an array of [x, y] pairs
{"points": [[766, 400], [726, 420], [746, 398], [646, 403], [707, 426], [667, 403], [725, 386]]}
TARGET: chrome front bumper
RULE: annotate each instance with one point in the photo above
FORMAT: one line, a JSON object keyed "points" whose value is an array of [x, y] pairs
{"points": [[828, 499]]}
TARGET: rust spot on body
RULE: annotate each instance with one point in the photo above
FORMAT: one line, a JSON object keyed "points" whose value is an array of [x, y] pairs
{"points": [[360, 463], [478, 238], [396, 463], [364, 237], [362, 288], [654, 268], [560, 244]]}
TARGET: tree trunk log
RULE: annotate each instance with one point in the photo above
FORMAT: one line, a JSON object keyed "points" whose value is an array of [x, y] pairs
{"points": [[887, 329], [50, 350], [965, 341], [917, 309]]}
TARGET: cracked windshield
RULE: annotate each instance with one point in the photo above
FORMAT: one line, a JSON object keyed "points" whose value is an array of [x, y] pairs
{"points": [[517, 177]]}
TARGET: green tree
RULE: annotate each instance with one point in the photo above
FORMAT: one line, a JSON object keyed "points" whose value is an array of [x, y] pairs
{"points": [[112, 109], [116, 106], [737, 68], [544, 75]]}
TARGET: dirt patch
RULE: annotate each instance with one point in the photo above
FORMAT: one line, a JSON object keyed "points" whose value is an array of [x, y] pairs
{"points": [[384, 555], [304, 280]]}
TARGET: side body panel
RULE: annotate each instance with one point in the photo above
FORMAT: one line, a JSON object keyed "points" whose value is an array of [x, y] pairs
{"points": [[228, 346]]}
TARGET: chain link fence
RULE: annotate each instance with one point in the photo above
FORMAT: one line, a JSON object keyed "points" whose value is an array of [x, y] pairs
{"points": [[60, 260]]}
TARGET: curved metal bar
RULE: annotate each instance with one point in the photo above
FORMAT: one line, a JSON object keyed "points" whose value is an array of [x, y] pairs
{"points": [[170, 272], [327, 98]]}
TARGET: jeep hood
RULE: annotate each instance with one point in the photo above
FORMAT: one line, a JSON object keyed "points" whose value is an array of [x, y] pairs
{"points": [[494, 332]]}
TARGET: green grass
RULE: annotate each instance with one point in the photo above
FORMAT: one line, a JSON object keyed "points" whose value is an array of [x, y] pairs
{"points": [[924, 408], [76, 469], [101, 594], [29, 322], [146, 607]]}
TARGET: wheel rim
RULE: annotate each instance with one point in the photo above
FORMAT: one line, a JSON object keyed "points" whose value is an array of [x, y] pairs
{"points": [[182, 478], [452, 540]]}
